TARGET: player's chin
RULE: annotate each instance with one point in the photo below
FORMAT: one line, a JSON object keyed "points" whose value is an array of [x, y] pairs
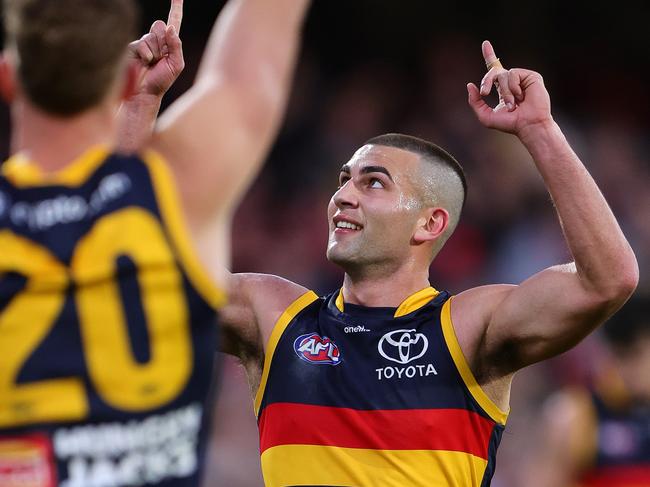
{"points": [[337, 254]]}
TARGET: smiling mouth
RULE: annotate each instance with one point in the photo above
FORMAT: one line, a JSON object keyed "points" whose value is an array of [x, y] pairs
{"points": [[347, 226]]}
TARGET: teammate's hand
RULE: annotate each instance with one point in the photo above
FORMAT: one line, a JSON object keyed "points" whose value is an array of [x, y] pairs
{"points": [[159, 54], [523, 99]]}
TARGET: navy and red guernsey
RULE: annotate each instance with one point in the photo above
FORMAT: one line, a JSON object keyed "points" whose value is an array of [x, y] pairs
{"points": [[622, 456], [357, 396]]}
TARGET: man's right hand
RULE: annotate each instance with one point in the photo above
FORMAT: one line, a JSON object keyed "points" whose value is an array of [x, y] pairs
{"points": [[159, 54]]}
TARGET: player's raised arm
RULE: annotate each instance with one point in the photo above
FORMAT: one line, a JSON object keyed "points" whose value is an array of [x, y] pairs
{"points": [[554, 309], [158, 59], [217, 134]]}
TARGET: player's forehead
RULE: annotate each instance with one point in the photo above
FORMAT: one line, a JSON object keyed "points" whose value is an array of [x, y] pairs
{"points": [[398, 162]]}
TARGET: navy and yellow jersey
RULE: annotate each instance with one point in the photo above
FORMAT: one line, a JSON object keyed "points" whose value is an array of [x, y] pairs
{"points": [[622, 451], [107, 327], [357, 396]]}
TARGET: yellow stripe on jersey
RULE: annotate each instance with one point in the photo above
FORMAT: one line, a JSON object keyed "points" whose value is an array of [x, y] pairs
{"points": [[416, 301], [339, 301], [170, 209], [354, 467], [463, 368], [412, 303], [23, 172], [283, 321]]}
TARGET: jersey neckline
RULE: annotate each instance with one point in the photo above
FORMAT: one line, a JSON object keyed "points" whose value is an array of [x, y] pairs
{"points": [[411, 304], [24, 172]]}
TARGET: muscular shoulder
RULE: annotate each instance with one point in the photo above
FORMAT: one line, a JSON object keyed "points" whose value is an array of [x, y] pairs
{"points": [[471, 313], [256, 301]]}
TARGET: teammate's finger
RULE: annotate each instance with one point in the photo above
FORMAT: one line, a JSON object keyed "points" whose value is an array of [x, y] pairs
{"points": [[514, 83], [176, 15], [158, 29], [151, 41], [175, 56], [142, 51]]}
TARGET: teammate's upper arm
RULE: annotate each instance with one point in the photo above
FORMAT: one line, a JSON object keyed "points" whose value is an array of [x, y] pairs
{"points": [[217, 134]]}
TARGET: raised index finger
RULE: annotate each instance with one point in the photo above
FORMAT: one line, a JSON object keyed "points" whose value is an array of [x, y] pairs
{"points": [[488, 52], [176, 14]]}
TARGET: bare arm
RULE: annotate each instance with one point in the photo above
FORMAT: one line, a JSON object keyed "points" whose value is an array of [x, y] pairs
{"points": [[255, 303], [158, 58], [218, 133], [553, 310]]}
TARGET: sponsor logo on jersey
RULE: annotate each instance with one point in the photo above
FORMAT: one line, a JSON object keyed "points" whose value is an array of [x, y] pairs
{"points": [[26, 461], [403, 346], [315, 349], [157, 449], [63, 209], [356, 329]]}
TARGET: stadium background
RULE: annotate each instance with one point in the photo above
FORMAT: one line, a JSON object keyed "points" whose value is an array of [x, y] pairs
{"points": [[375, 66]]}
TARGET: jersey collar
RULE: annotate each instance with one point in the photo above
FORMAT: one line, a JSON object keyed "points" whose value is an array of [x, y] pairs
{"points": [[412, 303], [22, 172]]}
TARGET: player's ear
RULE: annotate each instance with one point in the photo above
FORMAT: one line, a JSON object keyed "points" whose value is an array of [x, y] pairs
{"points": [[7, 79], [431, 226]]}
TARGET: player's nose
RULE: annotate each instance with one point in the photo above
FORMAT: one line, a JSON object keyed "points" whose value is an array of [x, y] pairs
{"points": [[346, 196]]}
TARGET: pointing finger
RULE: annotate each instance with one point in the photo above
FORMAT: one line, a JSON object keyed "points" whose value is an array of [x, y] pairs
{"points": [[488, 52], [176, 14]]}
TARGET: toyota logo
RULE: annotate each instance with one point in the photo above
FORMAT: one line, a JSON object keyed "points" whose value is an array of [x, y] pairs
{"points": [[403, 346]]}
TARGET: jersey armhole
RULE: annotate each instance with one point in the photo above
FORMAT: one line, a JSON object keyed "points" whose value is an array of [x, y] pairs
{"points": [[170, 209], [464, 370], [278, 329]]}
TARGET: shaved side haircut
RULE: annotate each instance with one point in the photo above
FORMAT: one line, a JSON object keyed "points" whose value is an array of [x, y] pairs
{"points": [[442, 182], [68, 52]]}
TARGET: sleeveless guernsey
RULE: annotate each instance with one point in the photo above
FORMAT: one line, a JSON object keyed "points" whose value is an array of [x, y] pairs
{"points": [[364, 397], [107, 327]]}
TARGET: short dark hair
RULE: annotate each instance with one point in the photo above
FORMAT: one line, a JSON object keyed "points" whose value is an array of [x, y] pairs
{"points": [[427, 150], [630, 323], [69, 51]]}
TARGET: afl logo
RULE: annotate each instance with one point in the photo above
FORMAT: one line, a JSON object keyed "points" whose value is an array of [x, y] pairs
{"points": [[403, 346], [315, 349]]}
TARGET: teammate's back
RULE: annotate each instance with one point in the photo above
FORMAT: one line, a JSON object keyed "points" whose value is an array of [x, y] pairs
{"points": [[107, 318]]}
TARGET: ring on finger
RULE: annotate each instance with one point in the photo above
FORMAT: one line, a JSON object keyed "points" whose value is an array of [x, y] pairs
{"points": [[494, 64]]}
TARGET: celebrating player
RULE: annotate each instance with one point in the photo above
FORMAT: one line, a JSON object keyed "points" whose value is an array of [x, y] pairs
{"points": [[107, 318], [389, 381]]}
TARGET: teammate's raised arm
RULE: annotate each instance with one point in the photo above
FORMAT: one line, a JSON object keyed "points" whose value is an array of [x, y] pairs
{"points": [[218, 133], [553, 310], [158, 59]]}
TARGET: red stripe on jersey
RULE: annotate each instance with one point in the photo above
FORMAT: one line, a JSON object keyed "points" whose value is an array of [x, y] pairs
{"points": [[618, 476], [405, 429]]}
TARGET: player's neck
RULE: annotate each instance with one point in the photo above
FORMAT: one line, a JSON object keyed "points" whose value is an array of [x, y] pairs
{"points": [[384, 291], [53, 142]]}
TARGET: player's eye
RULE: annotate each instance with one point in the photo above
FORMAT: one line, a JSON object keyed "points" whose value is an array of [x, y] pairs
{"points": [[375, 183], [343, 180]]}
